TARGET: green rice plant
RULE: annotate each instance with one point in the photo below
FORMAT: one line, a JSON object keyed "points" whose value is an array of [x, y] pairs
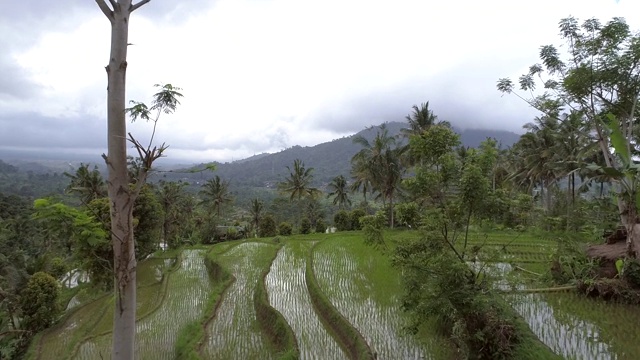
{"points": [[95, 316], [273, 324], [288, 294], [360, 282], [610, 323], [156, 333], [348, 336], [570, 337], [191, 337], [58, 342], [233, 332]]}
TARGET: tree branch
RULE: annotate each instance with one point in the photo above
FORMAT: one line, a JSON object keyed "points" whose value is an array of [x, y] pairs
{"points": [[138, 5], [106, 10]]}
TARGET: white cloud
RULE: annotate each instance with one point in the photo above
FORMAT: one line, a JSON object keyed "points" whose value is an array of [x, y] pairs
{"points": [[263, 75]]}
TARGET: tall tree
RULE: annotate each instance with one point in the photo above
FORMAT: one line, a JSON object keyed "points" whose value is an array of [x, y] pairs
{"points": [[256, 208], [599, 77], [121, 195], [420, 119], [216, 194], [88, 184], [298, 185], [172, 197], [379, 164], [338, 187]]}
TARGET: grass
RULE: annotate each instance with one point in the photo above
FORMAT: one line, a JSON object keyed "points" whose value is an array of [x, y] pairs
{"points": [[234, 333], [189, 305]]}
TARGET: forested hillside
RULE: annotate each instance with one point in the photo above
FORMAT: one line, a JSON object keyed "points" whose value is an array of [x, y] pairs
{"points": [[328, 159]]}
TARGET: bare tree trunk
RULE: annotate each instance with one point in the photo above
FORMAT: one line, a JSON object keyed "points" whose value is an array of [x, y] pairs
{"points": [[121, 197]]}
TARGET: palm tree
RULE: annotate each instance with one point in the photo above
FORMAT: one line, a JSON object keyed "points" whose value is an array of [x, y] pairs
{"points": [[536, 152], [378, 163], [420, 119], [361, 178], [88, 184], [255, 209], [338, 185], [172, 197], [298, 184], [216, 194]]}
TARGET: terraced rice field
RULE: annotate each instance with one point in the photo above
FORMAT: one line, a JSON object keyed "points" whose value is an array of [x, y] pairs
{"points": [[363, 286], [233, 333], [571, 325], [360, 283], [288, 294], [95, 317], [156, 333]]}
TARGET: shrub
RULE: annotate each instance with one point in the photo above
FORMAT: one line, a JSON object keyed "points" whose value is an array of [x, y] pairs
{"points": [[408, 214], [342, 221], [285, 228], [39, 302], [355, 216], [267, 227], [321, 226], [232, 233], [305, 226], [440, 286], [631, 272], [373, 227], [58, 267]]}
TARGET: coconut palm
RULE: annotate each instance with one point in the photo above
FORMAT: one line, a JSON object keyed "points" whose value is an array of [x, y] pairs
{"points": [[255, 209], [420, 119], [88, 184], [298, 184], [338, 187], [216, 194], [378, 163]]}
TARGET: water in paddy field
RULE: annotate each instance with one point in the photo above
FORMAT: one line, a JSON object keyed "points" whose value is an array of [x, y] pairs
{"points": [[288, 294], [380, 324], [234, 333], [576, 327], [156, 334], [579, 328]]}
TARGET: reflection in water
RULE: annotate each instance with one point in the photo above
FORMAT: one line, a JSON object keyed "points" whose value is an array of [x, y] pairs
{"points": [[567, 335]]}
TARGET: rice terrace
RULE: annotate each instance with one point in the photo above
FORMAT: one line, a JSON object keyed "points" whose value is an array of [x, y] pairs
{"points": [[418, 238], [321, 296]]}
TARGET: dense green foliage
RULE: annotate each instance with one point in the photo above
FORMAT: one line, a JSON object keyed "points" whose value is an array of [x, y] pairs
{"points": [[39, 302]]}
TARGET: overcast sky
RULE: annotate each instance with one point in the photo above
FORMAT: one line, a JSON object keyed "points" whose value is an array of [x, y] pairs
{"points": [[262, 75]]}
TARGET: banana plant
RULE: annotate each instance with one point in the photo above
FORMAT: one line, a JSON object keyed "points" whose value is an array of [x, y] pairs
{"points": [[626, 174]]}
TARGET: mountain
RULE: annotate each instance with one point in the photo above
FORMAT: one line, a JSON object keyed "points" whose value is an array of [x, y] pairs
{"points": [[328, 159]]}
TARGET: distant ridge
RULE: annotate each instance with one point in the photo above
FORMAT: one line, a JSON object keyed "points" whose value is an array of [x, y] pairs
{"points": [[329, 159]]}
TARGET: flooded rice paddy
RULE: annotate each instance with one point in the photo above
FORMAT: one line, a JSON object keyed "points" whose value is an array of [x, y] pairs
{"points": [[358, 281], [233, 333], [288, 294], [374, 312]]}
